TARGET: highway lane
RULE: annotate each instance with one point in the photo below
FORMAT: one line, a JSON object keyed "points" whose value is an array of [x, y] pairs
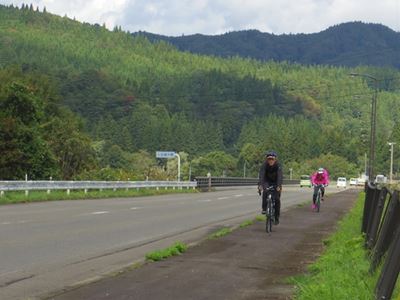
{"points": [[51, 245]]}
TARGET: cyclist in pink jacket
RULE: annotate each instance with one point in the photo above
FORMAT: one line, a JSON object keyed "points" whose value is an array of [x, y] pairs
{"points": [[320, 179]]}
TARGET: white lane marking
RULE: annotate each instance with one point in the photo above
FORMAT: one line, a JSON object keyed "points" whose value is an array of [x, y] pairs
{"points": [[240, 195], [99, 212], [221, 198], [205, 200], [135, 208], [16, 222]]}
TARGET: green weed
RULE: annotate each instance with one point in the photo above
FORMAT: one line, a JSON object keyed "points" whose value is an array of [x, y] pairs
{"points": [[246, 223], [220, 233], [260, 218], [342, 272], [173, 250]]}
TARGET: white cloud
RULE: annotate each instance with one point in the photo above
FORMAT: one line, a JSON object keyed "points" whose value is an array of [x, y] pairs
{"points": [[175, 17]]}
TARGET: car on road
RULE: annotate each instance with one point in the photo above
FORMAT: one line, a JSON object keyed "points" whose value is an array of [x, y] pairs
{"points": [[380, 179], [305, 180], [341, 182], [353, 181], [361, 181]]}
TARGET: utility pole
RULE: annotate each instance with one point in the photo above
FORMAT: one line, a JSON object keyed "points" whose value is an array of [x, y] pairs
{"points": [[373, 125], [365, 164], [179, 166], [391, 161]]}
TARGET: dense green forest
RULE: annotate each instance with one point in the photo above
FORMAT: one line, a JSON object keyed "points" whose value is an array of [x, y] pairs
{"points": [[347, 44], [79, 101]]}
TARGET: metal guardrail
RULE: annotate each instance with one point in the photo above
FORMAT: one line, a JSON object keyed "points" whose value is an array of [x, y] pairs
{"points": [[86, 185], [208, 182], [382, 235], [49, 185]]}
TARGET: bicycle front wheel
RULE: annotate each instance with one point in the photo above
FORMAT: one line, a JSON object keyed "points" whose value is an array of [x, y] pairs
{"points": [[269, 216], [318, 201]]}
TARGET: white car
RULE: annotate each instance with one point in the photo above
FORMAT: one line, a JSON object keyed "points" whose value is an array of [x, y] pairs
{"points": [[353, 181], [341, 182], [380, 179]]}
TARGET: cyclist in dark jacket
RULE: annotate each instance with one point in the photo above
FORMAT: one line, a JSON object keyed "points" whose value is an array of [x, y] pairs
{"points": [[271, 174]]}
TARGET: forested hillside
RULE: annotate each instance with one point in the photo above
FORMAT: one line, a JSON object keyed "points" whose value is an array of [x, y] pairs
{"points": [[79, 101], [347, 44]]}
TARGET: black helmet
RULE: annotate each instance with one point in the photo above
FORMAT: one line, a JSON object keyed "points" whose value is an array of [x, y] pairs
{"points": [[271, 153]]}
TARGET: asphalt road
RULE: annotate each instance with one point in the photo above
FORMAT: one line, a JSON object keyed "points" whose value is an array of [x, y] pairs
{"points": [[49, 246]]}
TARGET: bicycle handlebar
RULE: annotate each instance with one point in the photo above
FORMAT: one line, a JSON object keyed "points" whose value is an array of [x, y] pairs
{"points": [[271, 188]]}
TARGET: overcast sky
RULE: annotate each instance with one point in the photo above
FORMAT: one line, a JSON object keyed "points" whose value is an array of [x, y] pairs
{"points": [[177, 17]]}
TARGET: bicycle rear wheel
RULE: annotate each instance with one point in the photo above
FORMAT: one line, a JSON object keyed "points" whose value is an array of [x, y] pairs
{"points": [[318, 200], [269, 215]]}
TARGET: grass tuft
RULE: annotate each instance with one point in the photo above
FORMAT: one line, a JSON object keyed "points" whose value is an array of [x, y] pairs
{"points": [[173, 250], [220, 233], [260, 218], [246, 223], [342, 272]]}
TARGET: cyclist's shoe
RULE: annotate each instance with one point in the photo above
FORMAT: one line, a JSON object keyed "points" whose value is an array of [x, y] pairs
{"points": [[276, 221], [322, 198], [313, 207], [263, 212]]}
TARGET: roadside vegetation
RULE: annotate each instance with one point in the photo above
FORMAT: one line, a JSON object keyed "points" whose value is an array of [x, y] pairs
{"points": [[260, 218], [342, 272], [246, 223], [221, 233], [80, 102], [176, 249], [40, 196]]}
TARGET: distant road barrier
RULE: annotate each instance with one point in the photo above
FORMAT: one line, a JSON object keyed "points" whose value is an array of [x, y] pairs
{"points": [[45, 185], [204, 182]]}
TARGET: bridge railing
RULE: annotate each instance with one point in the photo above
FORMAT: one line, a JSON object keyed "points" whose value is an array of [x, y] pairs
{"points": [[381, 226]]}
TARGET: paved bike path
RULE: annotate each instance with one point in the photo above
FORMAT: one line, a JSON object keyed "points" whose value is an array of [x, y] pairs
{"points": [[246, 264]]}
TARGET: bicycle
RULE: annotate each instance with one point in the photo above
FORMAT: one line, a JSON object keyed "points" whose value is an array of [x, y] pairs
{"points": [[270, 213], [319, 196]]}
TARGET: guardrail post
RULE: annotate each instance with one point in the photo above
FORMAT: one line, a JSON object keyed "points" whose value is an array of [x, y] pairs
{"points": [[85, 191], [26, 193], [387, 231], [369, 195], [1, 193], [68, 191], [376, 217], [390, 271]]}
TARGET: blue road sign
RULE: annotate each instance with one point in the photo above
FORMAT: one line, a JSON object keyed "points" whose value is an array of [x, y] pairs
{"points": [[165, 154]]}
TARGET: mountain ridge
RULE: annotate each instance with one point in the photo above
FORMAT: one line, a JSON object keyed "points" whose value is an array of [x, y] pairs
{"points": [[346, 44]]}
